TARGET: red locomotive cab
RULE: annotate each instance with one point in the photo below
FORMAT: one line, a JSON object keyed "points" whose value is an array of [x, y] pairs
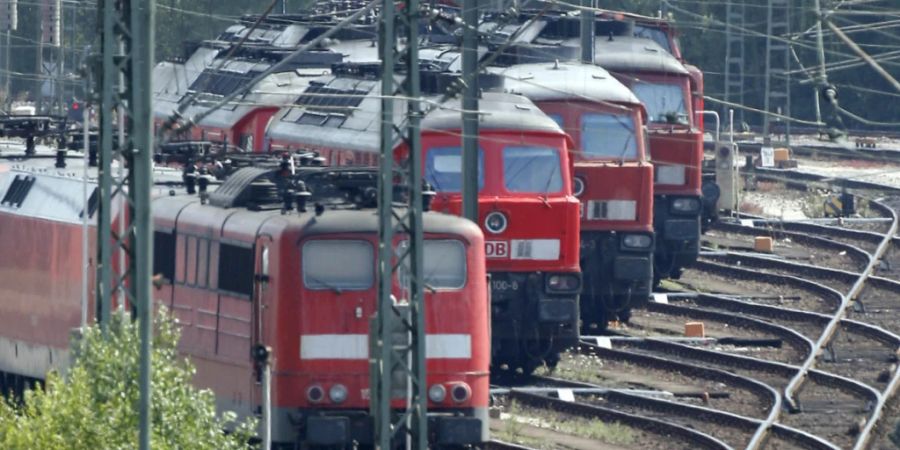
{"points": [[529, 217], [528, 212], [613, 177], [613, 180], [697, 95], [663, 85], [305, 285], [326, 367], [675, 142]]}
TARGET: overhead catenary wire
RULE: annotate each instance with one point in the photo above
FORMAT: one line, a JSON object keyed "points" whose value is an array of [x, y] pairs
{"points": [[274, 68], [191, 99]]}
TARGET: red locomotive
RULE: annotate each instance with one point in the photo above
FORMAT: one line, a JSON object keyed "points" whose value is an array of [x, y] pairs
{"points": [[663, 84], [244, 272], [629, 50], [526, 206], [663, 32], [613, 180]]}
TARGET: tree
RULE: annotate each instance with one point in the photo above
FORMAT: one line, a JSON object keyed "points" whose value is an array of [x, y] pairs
{"points": [[92, 406]]}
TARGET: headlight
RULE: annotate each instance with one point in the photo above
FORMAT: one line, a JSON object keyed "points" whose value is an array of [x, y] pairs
{"points": [[563, 283], [460, 392], [437, 393], [315, 393], [637, 241], [672, 175], [338, 393], [686, 205], [577, 186], [495, 222]]}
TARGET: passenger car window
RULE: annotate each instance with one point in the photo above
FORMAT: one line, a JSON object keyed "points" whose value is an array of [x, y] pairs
{"points": [[338, 265]]}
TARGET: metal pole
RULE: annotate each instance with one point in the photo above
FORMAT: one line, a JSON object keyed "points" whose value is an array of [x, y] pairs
{"points": [[40, 72], [397, 334], [382, 368], [267, 406], [125, 86], [85, 217], [108, 100], [587, 32], [418, 402], [8, 66], [141, 133], [470, 108], [60, 64], [768, 78], [822, 76]]}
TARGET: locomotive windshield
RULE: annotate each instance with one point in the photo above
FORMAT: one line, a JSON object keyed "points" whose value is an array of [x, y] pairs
{"points": [[445, 264], [532, 169], [656, 34], [339, 265], [443, 169], [608, 136], [665, 102]]}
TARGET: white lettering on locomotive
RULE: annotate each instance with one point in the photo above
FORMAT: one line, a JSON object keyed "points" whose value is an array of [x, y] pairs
{"points": [[496, 249]]}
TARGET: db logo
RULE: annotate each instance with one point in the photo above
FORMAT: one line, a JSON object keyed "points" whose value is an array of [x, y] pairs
{"points": [[496, 249]]}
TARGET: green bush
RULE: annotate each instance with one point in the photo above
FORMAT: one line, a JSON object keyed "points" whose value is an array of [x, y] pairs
{"points": [[93, 406]]}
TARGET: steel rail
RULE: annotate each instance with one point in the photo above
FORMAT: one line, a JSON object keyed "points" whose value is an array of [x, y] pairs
{"points": [[756, 260], [787, 334], [655, 426], [495, 444], [828, 231], [810, 178], [780, 369], [784, 370], [777, 368], [829, 294], [871, 331], [865, 434], [859, 255], [826, 337], [742, 382]]}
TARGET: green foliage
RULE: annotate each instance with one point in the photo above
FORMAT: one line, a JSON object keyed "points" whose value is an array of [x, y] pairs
{"points": [[93, 405]]}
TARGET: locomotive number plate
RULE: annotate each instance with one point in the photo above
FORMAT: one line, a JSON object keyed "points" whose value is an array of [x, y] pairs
{"points": [[496, 249], [504, 285]]}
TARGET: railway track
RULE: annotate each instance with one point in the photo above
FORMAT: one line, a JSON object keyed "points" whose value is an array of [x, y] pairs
{"points": [[831, 301]]}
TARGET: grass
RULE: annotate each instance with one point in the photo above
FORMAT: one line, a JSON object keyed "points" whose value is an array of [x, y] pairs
{"points": [[574, 366], [814, 205], [611, 433]]}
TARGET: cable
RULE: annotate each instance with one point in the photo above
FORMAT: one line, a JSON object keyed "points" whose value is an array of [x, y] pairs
{"points": [[776, 115], [274, 68], [865, 121], [191, 99]]}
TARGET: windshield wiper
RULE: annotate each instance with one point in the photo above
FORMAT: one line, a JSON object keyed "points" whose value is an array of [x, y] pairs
{"points": [[625, 149], [333, 288]]}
